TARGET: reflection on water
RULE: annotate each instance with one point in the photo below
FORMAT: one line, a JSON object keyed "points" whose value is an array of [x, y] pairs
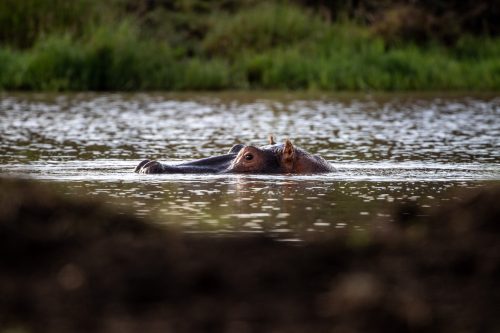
{"points": [[386, 149], [287, 207]]}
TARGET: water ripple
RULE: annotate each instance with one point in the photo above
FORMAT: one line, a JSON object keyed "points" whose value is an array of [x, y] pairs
{"points": [[386, 149]]}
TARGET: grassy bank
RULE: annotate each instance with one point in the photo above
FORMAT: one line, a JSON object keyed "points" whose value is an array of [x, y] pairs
{"points": [[255, 46]]}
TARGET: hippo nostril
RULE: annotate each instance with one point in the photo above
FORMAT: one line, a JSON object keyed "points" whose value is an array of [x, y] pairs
{"points": [[151, 167], [140, 165]]}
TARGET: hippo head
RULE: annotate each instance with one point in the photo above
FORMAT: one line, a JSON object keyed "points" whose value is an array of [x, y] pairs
{"points": [[250, 159], [271, 159]]}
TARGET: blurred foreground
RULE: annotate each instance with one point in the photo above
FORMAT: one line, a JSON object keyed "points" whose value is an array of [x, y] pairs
{"points": [[71, 264]]}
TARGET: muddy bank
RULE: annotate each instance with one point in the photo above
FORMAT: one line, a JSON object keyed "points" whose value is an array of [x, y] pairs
{"points": [[73, 264]]}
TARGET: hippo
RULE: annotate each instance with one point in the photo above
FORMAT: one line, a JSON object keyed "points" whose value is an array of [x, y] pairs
{"points": [[270, 159]]}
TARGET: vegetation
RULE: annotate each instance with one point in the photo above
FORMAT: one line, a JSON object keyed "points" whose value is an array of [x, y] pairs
{"points": [[251, 44]]}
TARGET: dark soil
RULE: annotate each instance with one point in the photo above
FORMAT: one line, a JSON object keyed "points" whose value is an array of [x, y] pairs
{"points": [[75, 265]]}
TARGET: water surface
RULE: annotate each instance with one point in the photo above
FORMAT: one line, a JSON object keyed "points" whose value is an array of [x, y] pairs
{"points": [[386, 149]]}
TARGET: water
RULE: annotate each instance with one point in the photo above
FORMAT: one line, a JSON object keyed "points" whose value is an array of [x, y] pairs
{"points": [[386, 149]]}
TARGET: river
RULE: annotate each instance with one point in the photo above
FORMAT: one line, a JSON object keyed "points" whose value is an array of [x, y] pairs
{"points": [[386, 148]]}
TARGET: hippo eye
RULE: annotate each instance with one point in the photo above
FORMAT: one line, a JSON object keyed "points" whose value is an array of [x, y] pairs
{"points": [[248, 157]]}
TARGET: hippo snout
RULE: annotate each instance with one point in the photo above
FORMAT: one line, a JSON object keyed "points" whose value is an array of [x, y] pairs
{"points": [[148, 166]]}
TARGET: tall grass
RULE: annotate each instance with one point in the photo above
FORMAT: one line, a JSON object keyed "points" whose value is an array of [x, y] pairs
{"points": [[22, 22], [113, 59], [269, 46], [261, 28], [362, 62], [10, 66], [117, 59]]}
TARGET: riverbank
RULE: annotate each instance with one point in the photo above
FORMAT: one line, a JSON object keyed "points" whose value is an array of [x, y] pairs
{"points": [[259, 46], [75, 264]]}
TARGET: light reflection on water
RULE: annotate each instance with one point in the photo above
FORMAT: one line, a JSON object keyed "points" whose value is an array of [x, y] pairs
{"points": [[385, 149]]}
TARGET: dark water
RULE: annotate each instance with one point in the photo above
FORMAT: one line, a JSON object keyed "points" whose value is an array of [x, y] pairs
{"points": [[386, 149]]}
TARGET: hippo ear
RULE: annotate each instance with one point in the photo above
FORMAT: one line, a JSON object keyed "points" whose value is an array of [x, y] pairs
{"points": [[271, 139], [288, 157]]}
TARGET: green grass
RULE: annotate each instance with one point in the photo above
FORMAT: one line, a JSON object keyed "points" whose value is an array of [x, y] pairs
{"points": [[23, 22], [261, 28], [263, 46]]}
